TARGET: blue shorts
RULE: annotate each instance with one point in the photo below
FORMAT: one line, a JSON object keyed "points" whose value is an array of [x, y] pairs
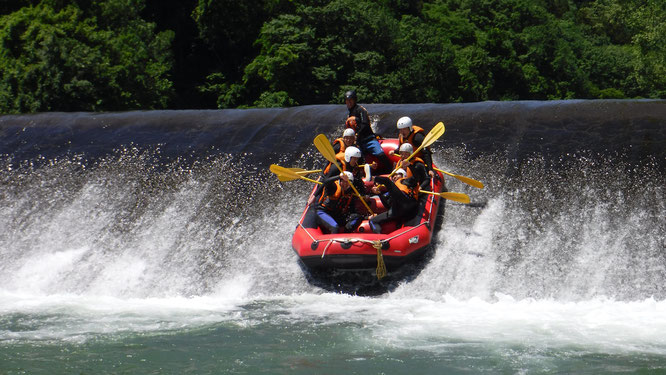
{"points": [[371, 146], [326, 220]]}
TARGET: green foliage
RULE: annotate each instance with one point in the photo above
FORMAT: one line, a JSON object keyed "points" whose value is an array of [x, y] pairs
{"points": [[274, 99], [61, 60], [104, 55], [229, 29], [312, 53], [452, 50]]}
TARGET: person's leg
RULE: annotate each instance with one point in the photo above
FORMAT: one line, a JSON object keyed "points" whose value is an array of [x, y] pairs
{"points": [[375, 222], [352, 222], [385, 198], [373, 147], [327, 221]]}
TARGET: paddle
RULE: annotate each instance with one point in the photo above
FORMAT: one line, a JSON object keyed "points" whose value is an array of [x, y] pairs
{"points": [[302, 171], [296, 173], [457, 197], [287, 174], [325, 148], [429, 139], [467, 180]]}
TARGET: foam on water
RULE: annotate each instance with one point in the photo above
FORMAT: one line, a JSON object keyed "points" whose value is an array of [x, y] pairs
{"points": [[597, 325], [560, 257]]}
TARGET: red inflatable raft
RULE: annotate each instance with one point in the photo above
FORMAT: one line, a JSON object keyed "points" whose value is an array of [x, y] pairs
{"points": [[398, 244]]}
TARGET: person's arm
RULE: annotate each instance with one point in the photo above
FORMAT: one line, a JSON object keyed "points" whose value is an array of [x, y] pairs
{"points": [[421, 173], [336, 147], [333, 171], [427, 155], [382, 180], [403, 204], [330, 181], [390, 186], [362, 116], [363, 122], [360, 186]]}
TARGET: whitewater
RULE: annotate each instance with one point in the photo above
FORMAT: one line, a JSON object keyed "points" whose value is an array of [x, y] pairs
{"points": [[158, 242]]}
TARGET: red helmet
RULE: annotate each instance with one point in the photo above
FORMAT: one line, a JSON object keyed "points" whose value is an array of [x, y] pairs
{"points": [[351, 123]]}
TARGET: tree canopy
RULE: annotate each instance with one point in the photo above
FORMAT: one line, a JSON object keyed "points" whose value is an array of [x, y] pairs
{"points": [[61, 58], [101, 55]]}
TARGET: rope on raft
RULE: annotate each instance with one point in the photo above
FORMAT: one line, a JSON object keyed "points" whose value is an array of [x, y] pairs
{"points": [[381, 267]]}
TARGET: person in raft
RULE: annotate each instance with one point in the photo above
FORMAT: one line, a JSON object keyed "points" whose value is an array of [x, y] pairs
{"points": [[403, 199], [414, 135], [414, 167], [348, 139], [335, 209], [359, 120], [382, 191], [349, 163]]}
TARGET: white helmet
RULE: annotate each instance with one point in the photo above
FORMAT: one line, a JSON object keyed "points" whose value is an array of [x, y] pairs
{"points": [[352, 152], [404, 122], [349, 132], [350, 176], [406, 147], [402, 172]]}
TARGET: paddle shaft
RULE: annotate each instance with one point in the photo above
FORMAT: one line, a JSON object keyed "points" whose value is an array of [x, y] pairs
{"points": [[302, 172], [457, 197], [355, 191], [467, 180]]}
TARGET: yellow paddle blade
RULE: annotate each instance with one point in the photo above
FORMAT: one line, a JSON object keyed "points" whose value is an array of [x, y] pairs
{"points": [[302, 171], [433, 135], [457, 197], [284, 178], [297, 170], [285, 174], [470, 181], [467, 180], [325, 148], [282, 173], [429, 139]]}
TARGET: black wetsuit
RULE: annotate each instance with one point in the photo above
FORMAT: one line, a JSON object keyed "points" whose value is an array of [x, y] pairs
{"points": [[363, 130], [420, 173], [402, 206], [425, 152]]}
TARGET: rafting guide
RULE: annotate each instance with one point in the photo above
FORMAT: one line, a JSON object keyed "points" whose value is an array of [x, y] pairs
{"points": [[359, 120]]}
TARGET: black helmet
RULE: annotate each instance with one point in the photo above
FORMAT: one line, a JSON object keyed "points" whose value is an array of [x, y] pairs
{"points": [[351, 94]]}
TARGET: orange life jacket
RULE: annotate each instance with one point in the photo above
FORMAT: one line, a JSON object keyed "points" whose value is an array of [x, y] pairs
{"points": [[410, 138], [339, 201], [341, 160], [413, 160], [343, 146], [411, 192]]}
